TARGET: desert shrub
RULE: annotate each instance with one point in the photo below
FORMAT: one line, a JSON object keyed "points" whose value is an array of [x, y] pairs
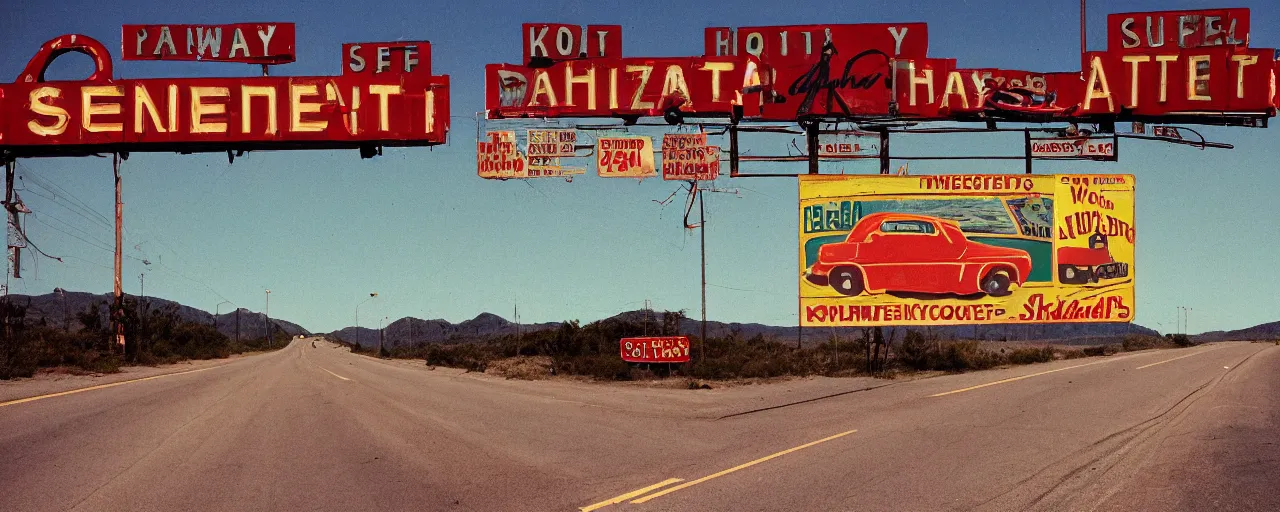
{"points": [[1136, 342], [1030, 355], [1181, 340], [465, 355], [1102, 350]]}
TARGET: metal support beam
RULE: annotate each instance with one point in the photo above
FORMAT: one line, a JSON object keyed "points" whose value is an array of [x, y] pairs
{"points": [[1027, 148], [811, 142], [733, 150], [884, 151]]}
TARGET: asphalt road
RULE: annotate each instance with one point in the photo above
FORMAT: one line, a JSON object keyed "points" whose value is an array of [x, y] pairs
{"points": [[306, 429]]}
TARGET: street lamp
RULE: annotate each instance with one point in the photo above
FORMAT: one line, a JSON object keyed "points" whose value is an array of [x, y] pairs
{"points": [[216, 310], [268, 313], [380, 325], [371, 297]]}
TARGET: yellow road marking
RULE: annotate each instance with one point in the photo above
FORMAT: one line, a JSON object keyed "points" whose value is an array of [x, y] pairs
{"points": [[1012, 379], [738, 467], [100, 386], [627, 496], [333, 374], [1176, 358]]}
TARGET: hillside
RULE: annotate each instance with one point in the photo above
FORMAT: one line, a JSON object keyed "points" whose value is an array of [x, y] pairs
{"points": [[1267, 331], [53, 310], [487, 325]]}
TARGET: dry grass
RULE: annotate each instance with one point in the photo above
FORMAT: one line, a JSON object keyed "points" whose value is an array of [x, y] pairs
{"points": [[521, 367]]}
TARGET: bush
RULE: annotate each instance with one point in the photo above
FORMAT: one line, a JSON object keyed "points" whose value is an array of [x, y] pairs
{"points": [[1030, 355], [1102, 350], [466, 356], [1181, 340], [1135, 342]]}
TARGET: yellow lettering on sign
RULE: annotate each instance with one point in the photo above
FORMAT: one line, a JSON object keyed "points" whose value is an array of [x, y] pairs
{"points": [[39, 107], [716, 68], [589, 79], [1134, 76], [88, 108], [383, 91], [1097, 86], [297, 107], [199, 109], [247, 92], [142, 104]]}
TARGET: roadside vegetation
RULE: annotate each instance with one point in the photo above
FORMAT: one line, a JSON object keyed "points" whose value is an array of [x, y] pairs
{"points": [[592, 351], [153, 335]]}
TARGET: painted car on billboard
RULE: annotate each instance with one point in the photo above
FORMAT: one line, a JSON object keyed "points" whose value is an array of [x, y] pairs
{"points": [[915, 253], [965, 249]]}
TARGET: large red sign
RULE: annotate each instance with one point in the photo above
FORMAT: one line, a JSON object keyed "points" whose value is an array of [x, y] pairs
{"points": [[1181, 66], [662, 349], [710, 86], [101, 114], [254, 43]]}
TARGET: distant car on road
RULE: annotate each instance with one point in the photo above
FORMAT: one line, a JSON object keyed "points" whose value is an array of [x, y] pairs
{"points": [[900, 252]]}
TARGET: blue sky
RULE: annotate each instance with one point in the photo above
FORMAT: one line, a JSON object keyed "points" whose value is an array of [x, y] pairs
{"points": [[323, 229]]}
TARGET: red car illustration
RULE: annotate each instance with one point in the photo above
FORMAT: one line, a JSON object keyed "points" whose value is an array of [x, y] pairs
{"points": [[902, 252]]}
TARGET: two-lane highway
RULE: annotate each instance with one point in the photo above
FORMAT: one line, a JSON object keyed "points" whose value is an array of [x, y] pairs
{"points": [[317, 428]]}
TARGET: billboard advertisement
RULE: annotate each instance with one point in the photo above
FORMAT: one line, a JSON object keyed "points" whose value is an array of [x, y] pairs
{"points": [[659, 349], [1194, 66], [101, 113], [966, 249]]}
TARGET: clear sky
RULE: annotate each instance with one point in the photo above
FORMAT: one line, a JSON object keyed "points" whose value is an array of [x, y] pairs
{"points": [[323, 229]]}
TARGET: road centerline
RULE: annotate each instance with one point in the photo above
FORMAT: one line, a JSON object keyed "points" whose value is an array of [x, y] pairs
{"points": [[331, 373], [100, 386], [1176, 358], [624, 497], [766, 458], [1021, 377]]}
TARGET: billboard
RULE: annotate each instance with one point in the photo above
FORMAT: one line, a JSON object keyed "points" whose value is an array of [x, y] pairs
{"points": [[661, 349], [103, 114], [252, 43], [628, 156], [966, 249], [1170, 66]]}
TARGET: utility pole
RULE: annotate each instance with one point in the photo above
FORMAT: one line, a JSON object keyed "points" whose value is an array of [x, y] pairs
{"points": [[10, 166], [371, 297], [702, 231], [238, 324], [516, 316], [142, 292], [119, 256], [268, 313]]}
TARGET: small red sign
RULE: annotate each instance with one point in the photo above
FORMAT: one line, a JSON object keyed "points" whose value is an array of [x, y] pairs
{"points": [[662, 349], [253, 43], [398, 58]]}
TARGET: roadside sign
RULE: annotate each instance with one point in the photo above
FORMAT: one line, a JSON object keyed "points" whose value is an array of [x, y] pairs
{"points": [[661, 349]]}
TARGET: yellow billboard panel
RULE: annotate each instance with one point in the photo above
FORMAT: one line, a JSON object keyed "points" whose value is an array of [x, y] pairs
{"points": [[625, 157], [966, 249]]}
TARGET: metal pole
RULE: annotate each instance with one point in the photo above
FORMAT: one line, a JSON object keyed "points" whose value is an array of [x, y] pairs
{"points": [[119, 263], [268, 313], [1083, 33], [733, 150], [811, 141], [702, 228], [1026, 134], [10, 166], [884, 151]]}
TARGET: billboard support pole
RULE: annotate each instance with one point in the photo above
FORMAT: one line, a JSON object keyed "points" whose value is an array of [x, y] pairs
{"points": [[702, 232], [10, 165], [884, 151], [811, 143], [1026, 137], [118, 316], [733, 150]]}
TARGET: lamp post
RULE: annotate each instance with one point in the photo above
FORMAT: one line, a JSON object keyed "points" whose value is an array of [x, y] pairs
{"points": [[268, 313], [371, 297], [380, 326], [216, 310]]}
